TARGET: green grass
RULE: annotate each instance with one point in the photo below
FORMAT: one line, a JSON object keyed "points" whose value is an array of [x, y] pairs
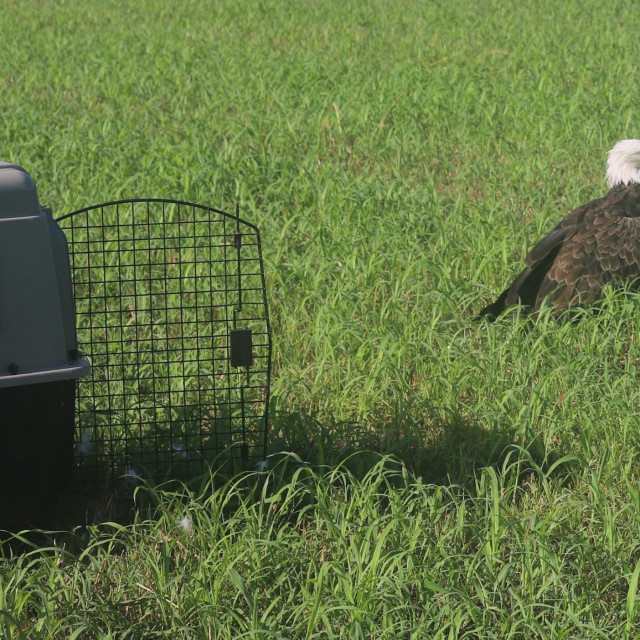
{"points": [[399, 158]]}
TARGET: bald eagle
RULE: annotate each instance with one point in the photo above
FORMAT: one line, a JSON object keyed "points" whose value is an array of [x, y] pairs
{"points": [[595, 245]]}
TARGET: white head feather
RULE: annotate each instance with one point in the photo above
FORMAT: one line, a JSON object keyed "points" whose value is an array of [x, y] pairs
{"points": [[623, 164]]}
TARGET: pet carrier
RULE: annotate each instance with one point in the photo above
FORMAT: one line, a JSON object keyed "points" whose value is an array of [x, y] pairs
{"points": [[162, 369]]}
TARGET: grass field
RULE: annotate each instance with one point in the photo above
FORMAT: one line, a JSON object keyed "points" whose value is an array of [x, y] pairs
{"points": [[430, 477]]}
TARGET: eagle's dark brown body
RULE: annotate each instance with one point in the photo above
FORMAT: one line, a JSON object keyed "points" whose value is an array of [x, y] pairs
{"points": [[595, 245]]}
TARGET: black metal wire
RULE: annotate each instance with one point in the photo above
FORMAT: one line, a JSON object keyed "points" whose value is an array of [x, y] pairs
{"points": [[159, 285]]}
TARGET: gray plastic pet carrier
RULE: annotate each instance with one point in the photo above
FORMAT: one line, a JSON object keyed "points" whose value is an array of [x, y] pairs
{"points": [[169, 373]]}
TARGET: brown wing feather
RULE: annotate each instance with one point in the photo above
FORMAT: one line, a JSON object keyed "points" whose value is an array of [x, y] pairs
{"points": [[604, 249], [596, 244]]}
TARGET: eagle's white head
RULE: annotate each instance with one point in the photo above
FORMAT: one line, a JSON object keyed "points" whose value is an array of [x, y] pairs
{"points": [[623, 164]]}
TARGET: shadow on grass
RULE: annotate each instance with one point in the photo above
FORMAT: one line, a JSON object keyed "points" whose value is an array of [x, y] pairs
{"points": [[446, 452], [450, 451]]}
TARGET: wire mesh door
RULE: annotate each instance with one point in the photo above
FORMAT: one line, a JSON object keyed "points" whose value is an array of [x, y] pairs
{"points": [[171, 312]]}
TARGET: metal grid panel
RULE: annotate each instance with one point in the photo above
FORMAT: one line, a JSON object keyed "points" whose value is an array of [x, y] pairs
{"points": [[172, 315]]}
